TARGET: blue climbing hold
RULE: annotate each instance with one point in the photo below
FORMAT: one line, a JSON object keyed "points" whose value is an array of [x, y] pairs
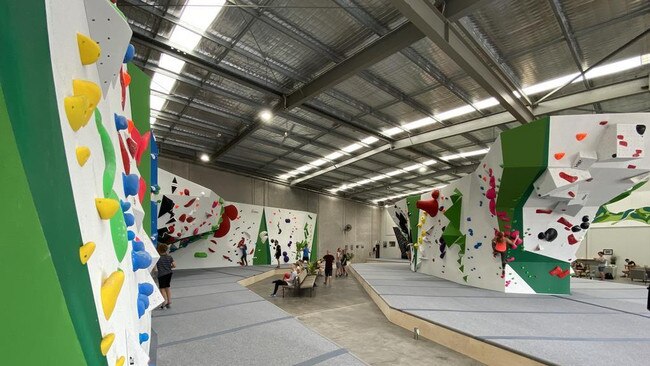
{"points": [[130, 235], [138, 246], [129, 219], [477, 245], [286, 259], [140, 259], [125, 205], [120, 122], [131, 184], [141, 308], [144, 299], [145, 288], [143, 337], [130, 53]]}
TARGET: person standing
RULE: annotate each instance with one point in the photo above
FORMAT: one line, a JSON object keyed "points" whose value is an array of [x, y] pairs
{"points": [[344, 262], [305, 254], [601, 265], [278, 254], [329, 262], [244, 253], [164, 267], [339, 267]]}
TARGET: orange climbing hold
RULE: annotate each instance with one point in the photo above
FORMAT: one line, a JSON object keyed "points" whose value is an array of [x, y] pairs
{"points": [[559, 156], [581, 136]]}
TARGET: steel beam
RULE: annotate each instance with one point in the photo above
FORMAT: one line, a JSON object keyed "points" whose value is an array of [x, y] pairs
{"points": [[456, 9], [446, 37]]}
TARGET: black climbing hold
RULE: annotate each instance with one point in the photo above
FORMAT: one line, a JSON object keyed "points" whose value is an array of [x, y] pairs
{"points": [[550, 234], [576, 228], [613, 155], [585, 218], [541, 236], [585, 225], [640, 129]]}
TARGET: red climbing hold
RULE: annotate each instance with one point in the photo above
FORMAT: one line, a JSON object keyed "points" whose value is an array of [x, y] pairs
{"points": [[555, 271], [631, 166], [126, 160], [571, 194], [564, 273], [623, 143], [559, 155], [190, 219], [190, 202], [215, 204], [581, 136], [142, 189], [569, 178], [182, 218], [491, 194], [572, 239], [196, 231], [565, 222], [545, 211], [602, 123], [231, 212]]}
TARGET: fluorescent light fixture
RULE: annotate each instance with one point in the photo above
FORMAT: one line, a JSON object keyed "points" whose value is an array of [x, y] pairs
{"points": [[412, 167], [419, 123], [333, 156], [184, 39], [392, 131], [205, 157], [429, 162], [162, 83], [456, 112], [465, 154], [305, 168], [318, 162], [266, 115], [486, 103], [156, 102], [370, 140], [351, 148], [284, 176], [614, 67], [394, 172], [170, 63], [201, 13]]}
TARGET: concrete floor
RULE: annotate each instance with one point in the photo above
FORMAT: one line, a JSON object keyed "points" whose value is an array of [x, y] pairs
{"points": [[345, 314]]}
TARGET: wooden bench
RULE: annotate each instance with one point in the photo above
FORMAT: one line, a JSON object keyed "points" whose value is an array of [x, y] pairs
{"points": [[639, 273], [300, 282]]}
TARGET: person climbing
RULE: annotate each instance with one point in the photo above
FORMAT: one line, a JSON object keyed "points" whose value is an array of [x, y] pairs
{"points": [[287, 279], [305, 253], [329, 262], [278, 254], [499, 247], [244, 254], [164, 267]]}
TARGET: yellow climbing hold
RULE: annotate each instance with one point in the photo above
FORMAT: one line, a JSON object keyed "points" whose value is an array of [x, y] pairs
{"points": [[107, 342], [76, 109], [110, 291], [89, 50], [83, 153], [85, 251], [120, 361], [90, 90], [106, 207]]}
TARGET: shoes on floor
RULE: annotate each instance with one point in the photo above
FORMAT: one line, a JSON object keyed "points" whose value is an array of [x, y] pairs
{"points": [[168, 306], [273, 295]]}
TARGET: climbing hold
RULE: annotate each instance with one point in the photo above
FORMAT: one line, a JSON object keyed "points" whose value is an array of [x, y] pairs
{"points": [[143, 337], [555, 271], [85, 251], [572, 239], [130, 235], [576, 228], [106, 207], [568, 177], [138, 246], [129, 219], [76, 110], [89, 50], [125, 205], [585, 218], [143, 304], [83, 154], [550, 234], [88, 89], [106, 343], [120, 122], [640, 129], [110, 291], [559, 156], [200, 255], [120, 361], [585, 225], [145, 288], [581, 136], [223, 229], [131, 184], [142, 189], [231, 211], [128, 55], [140, 260]]}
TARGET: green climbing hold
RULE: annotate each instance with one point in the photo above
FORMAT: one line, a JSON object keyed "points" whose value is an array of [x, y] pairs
{"points": [[200, 255]]}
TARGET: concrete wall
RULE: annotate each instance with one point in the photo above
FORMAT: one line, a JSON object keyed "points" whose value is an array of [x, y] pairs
{"points": [[627, 242], [388, 236], [333, 213]]}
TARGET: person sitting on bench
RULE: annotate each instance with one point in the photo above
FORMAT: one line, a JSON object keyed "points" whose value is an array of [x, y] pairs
{"points": [[286, 280], [629, 264]]}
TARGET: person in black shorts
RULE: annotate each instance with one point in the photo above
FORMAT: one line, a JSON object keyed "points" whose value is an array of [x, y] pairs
{"points": [[278, 254], [164, 267], [244, 254], [329, 262]]}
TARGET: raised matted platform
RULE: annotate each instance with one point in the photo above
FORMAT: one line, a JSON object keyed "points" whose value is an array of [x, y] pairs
{"points": [[600, 323], [215, 320]]}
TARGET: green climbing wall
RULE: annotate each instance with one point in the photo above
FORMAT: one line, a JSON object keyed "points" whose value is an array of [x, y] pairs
{"points": [[139, 91], [314, 244], [27, 82], [262, 248], [452, 234], [520, 170]]}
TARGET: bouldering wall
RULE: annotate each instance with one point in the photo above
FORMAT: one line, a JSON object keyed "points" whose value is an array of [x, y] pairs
{"points": [[204, 231], [73, 150], [541, 186]]}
